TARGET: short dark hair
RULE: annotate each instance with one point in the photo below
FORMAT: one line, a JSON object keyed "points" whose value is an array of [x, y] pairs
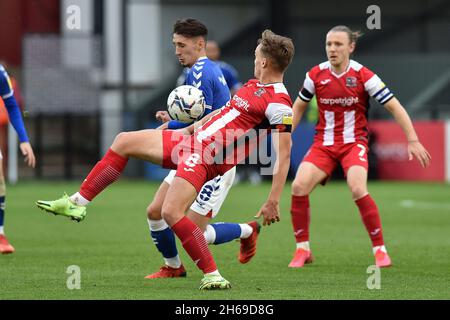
{"points": [[190, 28], [280, 50]]}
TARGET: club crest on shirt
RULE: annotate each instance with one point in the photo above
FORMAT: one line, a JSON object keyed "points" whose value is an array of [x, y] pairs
{"points": [[350, 82], [260, 92]]}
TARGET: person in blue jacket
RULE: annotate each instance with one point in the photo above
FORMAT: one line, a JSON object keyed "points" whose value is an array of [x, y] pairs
{"points": [[15, 117]]}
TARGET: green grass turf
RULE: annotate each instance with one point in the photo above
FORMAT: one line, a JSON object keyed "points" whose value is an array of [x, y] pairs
{"points": [[114, 250]]}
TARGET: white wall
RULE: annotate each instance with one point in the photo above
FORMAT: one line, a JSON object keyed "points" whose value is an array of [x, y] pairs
{"points": [[77, 48], [112, 42], [145, 34]]}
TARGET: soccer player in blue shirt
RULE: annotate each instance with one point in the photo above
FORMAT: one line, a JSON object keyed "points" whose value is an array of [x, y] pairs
{"points": [[229, 72], [15, 117], [189, 38]]}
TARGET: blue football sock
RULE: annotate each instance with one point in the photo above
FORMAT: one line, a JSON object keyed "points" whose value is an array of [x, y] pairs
{"points": [[226, 232], [165, 242]]}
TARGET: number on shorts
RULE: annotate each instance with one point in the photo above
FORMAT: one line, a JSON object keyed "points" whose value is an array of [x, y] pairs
{"points": [[192, 161], [362, 153]]}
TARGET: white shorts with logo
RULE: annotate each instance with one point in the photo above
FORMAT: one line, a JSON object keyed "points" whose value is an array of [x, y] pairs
{"points": [[213, 193]]}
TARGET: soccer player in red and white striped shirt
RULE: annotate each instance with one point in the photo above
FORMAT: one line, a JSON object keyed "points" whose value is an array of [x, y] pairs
{"points": [[343, 87], [261, 103]]}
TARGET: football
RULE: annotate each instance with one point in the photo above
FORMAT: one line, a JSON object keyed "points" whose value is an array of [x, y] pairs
{"points": [[186, 104]]}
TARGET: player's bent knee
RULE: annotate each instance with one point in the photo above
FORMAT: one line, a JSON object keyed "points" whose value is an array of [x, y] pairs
{"points": [[154, 212], [358, 192], [171, 215], [121, 141], [300, 188]]}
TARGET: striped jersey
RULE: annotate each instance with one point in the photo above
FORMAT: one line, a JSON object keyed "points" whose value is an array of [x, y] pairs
{"points": [[343, 101], [254, 106]]}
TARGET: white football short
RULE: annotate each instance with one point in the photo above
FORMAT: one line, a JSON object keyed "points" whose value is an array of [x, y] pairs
{"points": [[213, 193]]}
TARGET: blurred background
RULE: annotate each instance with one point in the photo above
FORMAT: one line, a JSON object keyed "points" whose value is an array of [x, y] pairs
{"points": [[85, 70]]}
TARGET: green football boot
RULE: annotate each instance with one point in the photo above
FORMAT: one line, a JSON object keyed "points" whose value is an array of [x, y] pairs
{"points": [[63, 207], [210, 282]]}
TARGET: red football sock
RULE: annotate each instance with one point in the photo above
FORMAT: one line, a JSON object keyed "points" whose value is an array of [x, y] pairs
{"points": [[194, 243], [371, 219], [300, 215], [105, 172]]}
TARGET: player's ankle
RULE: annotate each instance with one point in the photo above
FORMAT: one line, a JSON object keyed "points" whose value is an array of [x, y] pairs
{"points": [[376, 248], [174, 262], [78, 199], [214, 273], [303, 245], [246, 230]]}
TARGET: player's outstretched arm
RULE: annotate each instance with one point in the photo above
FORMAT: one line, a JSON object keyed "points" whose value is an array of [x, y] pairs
{"points": [[415, 148], [16, 120], [270, 209], [299, 109]]}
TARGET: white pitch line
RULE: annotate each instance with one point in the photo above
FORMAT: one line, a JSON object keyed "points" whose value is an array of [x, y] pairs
{"points": [[425, 205]]}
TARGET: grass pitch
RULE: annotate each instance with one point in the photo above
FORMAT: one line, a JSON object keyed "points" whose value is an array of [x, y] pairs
{"points": [[114, 251]]}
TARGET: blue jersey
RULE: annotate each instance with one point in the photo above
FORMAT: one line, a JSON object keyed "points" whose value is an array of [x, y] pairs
{"points": [[6, 89], [231, 75], [7, 95], [207, 76]]}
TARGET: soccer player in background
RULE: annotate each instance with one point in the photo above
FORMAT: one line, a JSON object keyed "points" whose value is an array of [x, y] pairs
{"points": [[343, 88], [261, 103], [15, 117], [189, 39], [229, 72]]}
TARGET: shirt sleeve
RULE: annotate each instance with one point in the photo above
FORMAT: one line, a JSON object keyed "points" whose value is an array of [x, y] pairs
{"points": [[279, 115], [175, 124], [14, 113], [376, 87], [15, 117], [308, 89], [6, 89]]}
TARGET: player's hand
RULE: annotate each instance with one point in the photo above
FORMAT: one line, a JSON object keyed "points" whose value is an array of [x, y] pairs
{"points": [[27, 152], [417, 150], [163, 116], [270, 211]]}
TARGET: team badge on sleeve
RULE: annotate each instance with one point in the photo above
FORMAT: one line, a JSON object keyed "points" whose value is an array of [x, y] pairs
{"points": [[287, 119], [286, 123]]}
